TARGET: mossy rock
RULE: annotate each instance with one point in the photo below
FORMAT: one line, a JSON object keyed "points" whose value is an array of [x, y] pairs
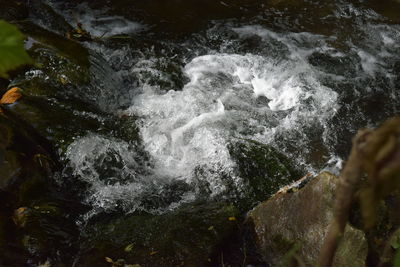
{"points": [[188, 236], [61, 46], [61, 66], [59, 123], [67, 91], [263, 169]]}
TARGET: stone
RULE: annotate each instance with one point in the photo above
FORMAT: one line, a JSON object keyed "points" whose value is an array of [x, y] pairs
{"points": [[297, 222], [263, 169], [188, 236]]}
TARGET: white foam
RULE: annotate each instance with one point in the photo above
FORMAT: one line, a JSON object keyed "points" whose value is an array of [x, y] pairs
{"points": [[186, 132], [185, 129], [368, 62], [90, 156]]}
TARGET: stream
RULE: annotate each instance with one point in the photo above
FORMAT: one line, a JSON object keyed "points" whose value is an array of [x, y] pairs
{"points": [[201, 87], [303, 84]]}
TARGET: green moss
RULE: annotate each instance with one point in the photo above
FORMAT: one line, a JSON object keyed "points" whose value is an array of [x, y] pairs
{"points": [[281, 243], [263, 168]]}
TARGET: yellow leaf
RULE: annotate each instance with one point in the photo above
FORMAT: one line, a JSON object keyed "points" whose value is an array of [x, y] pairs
{"points": [[11, 96], [210, 228], [128, 248], [109, 260], [232, 218], [20, 216], [63, 79], [153, 253]]}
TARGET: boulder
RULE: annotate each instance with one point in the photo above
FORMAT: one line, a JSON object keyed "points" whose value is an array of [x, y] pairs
{"points": [[263, 169], [188, 236], [36, 219], [294, 224]]}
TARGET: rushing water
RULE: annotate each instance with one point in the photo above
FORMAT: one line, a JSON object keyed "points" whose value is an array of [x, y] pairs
{"points": [[301, 78]]}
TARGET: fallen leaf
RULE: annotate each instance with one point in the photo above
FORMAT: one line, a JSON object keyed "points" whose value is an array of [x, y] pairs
{"points": [[20, 216], [109, 260], [210, 228], [11, 96], [153, 253], [43, 160], [128, 248], [46, 264], [232, 218], [63, 79]]}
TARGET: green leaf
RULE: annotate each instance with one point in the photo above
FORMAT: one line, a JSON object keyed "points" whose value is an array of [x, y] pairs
{"points": [[396, 262], [12, 52]]}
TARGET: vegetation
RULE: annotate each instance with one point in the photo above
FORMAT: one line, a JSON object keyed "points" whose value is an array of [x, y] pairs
{"points": [[12, 52]]}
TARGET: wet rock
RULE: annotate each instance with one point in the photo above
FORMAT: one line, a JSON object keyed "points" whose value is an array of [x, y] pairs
{"points": [[188, 236], [9, 165], [387, 8], [60, 63], [35, 222], [297, 222], [67, 70], [67, 90], [17, 149], [13, 10], [263, 169], [44, 15], [333, 65]]}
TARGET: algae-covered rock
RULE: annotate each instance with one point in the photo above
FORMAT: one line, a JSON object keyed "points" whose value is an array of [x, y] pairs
{"points": [[188, 236], [297, 222], [263, 169]]}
